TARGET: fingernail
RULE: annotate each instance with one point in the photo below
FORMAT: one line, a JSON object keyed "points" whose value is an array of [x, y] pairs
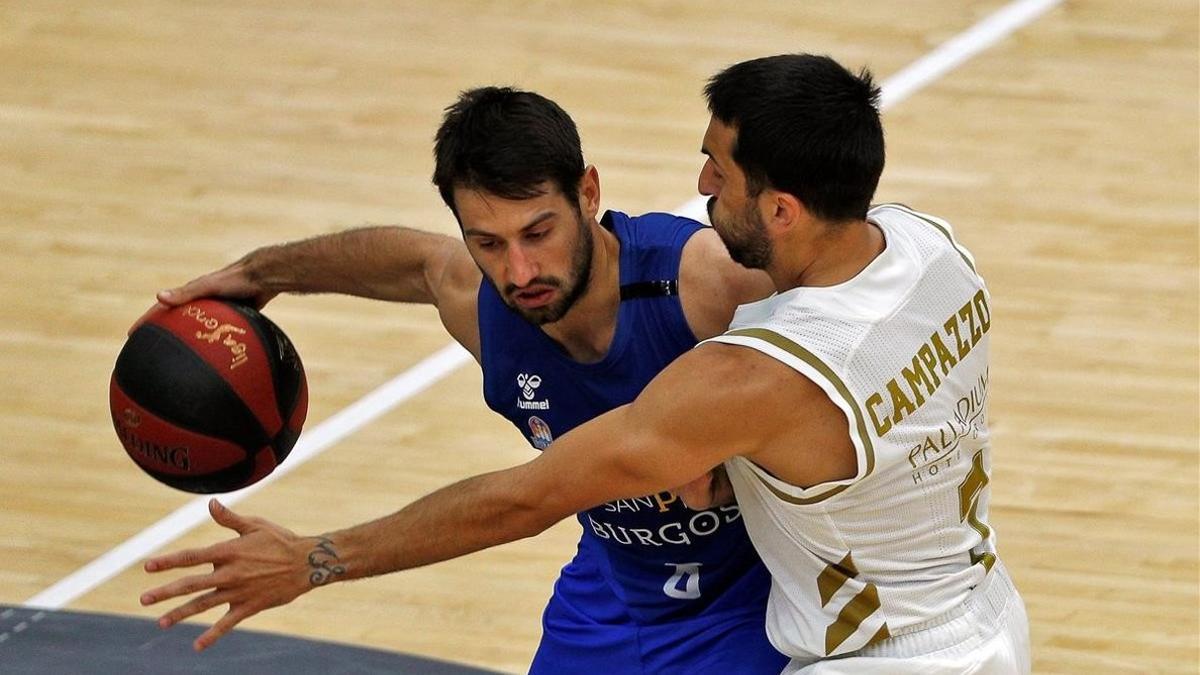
{"points": [[167, 293]]}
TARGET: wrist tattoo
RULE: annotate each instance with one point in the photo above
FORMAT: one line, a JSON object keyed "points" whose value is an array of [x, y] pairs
{"points": [[324, 563]]}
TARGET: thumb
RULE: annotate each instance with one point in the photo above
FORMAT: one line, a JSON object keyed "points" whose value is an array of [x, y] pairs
{"points": [[173, 297], [227, 518]]}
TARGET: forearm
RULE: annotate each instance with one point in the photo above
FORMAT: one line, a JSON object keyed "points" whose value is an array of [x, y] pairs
{"points": [[468, 516], [605, 459], [386, 263]]}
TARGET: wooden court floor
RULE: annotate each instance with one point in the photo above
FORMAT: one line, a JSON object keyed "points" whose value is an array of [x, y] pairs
{"points": [[142, 143]]}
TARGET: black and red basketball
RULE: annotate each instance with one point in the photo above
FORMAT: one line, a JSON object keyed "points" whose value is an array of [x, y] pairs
{"points": [[209, 396]]}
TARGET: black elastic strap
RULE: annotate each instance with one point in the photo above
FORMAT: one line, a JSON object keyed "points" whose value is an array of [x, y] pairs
{"points": [[650, 289]]}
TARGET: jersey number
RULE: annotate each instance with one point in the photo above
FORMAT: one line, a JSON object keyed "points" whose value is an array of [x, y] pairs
{"points": [[968, 507], [684, 584]]}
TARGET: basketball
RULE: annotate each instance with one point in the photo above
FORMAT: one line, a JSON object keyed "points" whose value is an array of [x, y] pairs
{"points": [[209, 396]]}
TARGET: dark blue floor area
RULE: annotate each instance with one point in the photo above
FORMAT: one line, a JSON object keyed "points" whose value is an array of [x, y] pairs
{"points": [[51, 642]]}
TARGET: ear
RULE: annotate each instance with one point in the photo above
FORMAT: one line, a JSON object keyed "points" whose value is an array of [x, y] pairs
{"points": [[589, 192], [781, 211]]}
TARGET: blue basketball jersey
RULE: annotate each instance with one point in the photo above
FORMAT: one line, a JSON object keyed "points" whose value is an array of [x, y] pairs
{"points": [[660, 560]]}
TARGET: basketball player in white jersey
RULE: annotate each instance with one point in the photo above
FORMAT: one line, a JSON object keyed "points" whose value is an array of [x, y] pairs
{"points": [[848, 410]]}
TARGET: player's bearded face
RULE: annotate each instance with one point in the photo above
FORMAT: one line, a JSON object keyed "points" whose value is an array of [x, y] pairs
{"points": [[570, 287], [744, 234]]}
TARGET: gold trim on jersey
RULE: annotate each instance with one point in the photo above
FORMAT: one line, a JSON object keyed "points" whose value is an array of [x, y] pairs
{"points": [[834, 576], [939, 228], [851, 617], [880, 635], [853, 613], [860, 422]]}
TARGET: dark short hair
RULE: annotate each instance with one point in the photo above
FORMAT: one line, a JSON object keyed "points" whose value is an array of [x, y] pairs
{"points": [[506, 142], [806, 126]]}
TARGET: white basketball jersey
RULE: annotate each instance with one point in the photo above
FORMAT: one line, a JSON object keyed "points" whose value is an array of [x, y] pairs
{"points": [[902, 349]]}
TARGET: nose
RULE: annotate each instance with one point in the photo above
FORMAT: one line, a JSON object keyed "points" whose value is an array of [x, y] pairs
{"points": [[521, 268], [706, 184]]}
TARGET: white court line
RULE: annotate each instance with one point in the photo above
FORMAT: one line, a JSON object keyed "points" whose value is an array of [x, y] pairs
{"points": [[951, 54], [962, 47], [312, 443], [406, 385]]}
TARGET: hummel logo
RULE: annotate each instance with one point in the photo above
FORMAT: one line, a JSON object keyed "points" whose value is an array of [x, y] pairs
{"points": [[528, 383]]}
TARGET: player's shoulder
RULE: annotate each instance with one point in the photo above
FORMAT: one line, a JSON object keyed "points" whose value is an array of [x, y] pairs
{"points": [[456, 283], [653, 229], [927, 232], [706, 261], [712, 285], [459, 272], [907, 219], [742, 382]]}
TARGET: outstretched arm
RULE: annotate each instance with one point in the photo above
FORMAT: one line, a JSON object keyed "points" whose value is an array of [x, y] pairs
{"points": [[386, 263], [710, 404]]}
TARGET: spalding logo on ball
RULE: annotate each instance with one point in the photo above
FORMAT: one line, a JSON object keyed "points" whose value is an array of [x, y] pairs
{"points": [[209, 396]]}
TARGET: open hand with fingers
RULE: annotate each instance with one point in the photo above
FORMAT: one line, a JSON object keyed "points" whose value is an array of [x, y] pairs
{"points": [[265, 566]]}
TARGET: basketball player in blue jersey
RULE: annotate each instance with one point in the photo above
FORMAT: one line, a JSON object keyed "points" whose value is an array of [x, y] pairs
{"points": [[569, 313]]}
